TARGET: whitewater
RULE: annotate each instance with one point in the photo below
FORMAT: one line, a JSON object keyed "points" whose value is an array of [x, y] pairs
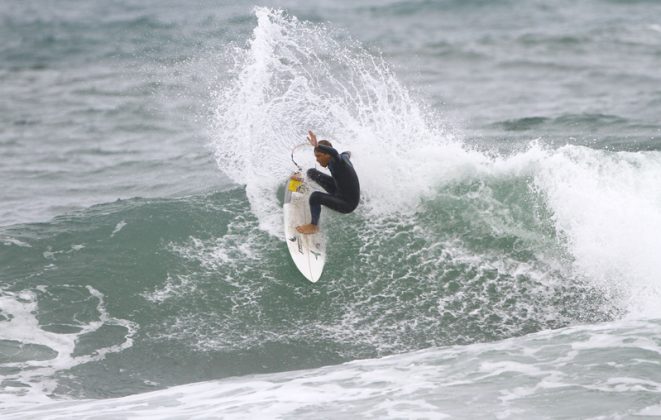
{"points": [[506, 269]]}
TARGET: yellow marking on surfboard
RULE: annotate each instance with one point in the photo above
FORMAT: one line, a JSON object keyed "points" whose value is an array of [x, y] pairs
{"points": [[294, 184]]}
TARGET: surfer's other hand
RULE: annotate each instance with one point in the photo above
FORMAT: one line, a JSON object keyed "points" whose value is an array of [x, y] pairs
{"points": [[312, 138]]}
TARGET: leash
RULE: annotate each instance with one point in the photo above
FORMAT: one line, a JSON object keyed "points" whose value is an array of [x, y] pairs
{"points": [[300, 169]]}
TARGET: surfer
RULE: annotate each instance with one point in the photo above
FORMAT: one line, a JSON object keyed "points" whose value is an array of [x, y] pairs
{"points": [[342, 187]]}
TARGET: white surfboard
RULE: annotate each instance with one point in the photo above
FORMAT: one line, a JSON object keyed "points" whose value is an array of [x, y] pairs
{"points": [[307, 251]]}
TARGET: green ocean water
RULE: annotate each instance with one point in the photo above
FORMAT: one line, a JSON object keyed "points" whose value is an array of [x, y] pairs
{"points": [[203, 293], [509, 163]]}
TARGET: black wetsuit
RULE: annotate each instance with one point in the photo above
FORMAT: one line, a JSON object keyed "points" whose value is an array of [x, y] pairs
{"points": [[343, 187]]}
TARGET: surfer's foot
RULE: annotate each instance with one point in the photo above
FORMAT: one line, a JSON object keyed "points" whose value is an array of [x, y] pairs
{"points": [[308, 229]]}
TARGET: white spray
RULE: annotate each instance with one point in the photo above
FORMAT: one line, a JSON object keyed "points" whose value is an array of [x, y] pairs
{"points": [[294, 77]]}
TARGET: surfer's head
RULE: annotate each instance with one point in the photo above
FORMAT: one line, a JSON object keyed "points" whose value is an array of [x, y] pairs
{"points": [[322, 158]]}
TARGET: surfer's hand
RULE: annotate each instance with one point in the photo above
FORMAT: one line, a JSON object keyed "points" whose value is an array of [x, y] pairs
{"points": [[312, 138], [297, 176]]}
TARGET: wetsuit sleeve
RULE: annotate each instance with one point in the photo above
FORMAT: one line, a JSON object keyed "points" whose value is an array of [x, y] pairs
{"points": [[326, 182], [345, 157], [327, 149]]}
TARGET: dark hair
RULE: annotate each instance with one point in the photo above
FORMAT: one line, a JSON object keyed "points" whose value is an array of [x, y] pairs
{"points": [[322, 143]]}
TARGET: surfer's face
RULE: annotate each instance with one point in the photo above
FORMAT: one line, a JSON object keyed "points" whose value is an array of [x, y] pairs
{"points": [[322, 158]]}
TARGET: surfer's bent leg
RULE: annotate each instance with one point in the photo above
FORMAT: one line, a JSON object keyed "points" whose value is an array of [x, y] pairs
{"points": [[326, 182], [317, 199]]}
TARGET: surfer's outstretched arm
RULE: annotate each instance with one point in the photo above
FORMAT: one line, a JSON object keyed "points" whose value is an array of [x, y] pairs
{"points": [[327, 182]]}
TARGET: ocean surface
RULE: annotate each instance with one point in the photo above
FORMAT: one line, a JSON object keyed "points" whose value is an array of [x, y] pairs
{"points": [[504, 262]]}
